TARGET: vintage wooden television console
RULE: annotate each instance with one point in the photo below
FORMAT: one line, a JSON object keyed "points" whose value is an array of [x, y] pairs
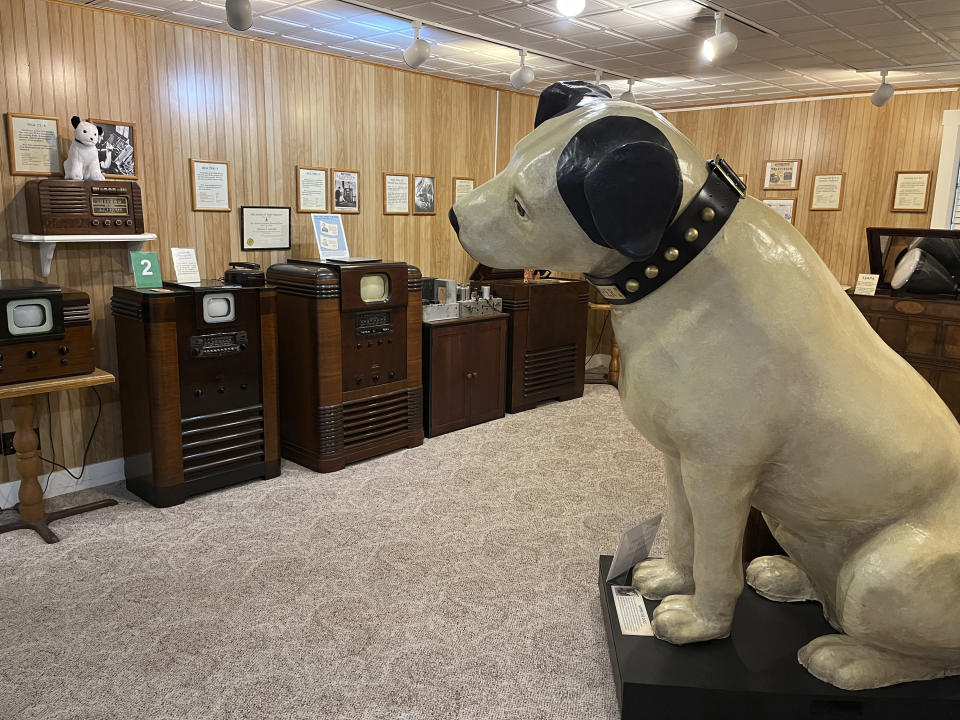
{"points": [[546, 335], [198, 387], [45, 332], [83, 207], [350, 359]]}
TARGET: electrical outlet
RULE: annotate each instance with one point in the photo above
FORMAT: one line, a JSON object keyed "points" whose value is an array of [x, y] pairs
{"points": [[7, 440]]}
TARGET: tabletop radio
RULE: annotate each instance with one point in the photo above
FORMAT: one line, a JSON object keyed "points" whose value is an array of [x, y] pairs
{"points": [[198, 387], [84, 207], [45, 332], [349, 346]]}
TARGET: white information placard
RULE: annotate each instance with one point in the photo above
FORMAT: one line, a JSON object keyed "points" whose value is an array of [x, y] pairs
{"points": [[34, 142], [265, 228], [634, 546], [631, 612], [210, 185], [331, 237], [185, 265], [866, 284], [311, 190], [827, 193], [462, 186], [910, 192], [396, 194]]}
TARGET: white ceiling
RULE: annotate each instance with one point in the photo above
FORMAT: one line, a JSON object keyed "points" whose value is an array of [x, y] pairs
{"points": [[811, 47]]}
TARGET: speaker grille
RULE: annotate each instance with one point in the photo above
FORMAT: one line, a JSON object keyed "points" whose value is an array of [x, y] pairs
{"points": [[67, 199], [222, 441], [378, 417], [548, 370]]}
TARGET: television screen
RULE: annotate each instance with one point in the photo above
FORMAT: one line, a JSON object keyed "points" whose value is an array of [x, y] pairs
{"points": [[25, 317], [219, 308], [374, 287]]}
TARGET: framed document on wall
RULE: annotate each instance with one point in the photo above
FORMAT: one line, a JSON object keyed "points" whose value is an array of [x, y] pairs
{"points": [[826, 191], [346, 190], [461, 186], [424, 195], [264, 228], [117, 149], [396, 194], [784, 207], [210, 185], [34, 144], [911, 191], [311, 189], [781, 175]]}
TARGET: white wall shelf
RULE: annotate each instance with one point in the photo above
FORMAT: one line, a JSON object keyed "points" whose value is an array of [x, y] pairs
{"points": [[48, 244]]}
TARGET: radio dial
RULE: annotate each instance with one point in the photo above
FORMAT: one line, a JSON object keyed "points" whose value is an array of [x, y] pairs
{"points": [[31, 354]]}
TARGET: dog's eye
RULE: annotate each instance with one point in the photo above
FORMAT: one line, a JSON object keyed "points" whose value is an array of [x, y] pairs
{"points": [[520, 211]]}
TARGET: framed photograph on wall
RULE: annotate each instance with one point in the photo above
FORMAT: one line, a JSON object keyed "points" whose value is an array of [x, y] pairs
{"points": [[117, 148], [264, 228], [424, 195], [311, 189], [826, 191], [210, 185], [346, 190], [911, 191], [461, 186], [396, 194], [784, 207], [781, 175], [34, 144]]}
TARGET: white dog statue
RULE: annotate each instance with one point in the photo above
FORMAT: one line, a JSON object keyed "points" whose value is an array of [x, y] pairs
{"points": [[83, 159], [746, 365]]}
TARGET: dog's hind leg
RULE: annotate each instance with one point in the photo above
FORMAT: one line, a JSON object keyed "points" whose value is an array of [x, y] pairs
{"points": [[778, 578], [658, 577]]}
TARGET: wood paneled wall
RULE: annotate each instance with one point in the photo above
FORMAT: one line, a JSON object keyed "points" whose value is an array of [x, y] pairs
{"points": [[264, 107]]}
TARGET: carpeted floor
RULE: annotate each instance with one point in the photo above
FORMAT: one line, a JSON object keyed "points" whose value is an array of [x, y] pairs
{"points": [[453, 581]]}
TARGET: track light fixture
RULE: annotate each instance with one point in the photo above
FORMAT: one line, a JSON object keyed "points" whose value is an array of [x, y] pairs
{"points": [[522, 76], [418, 52], [239, 14], [884, 92], [627, 95], [571, 8], [722, 43], [597, 76]]}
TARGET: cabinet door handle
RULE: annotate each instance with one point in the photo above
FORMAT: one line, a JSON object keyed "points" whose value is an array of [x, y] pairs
{"points": [[469, 376]]}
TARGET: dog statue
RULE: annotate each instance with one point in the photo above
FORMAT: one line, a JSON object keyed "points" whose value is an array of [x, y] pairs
{"points": [[746, 365], [83, 159]]}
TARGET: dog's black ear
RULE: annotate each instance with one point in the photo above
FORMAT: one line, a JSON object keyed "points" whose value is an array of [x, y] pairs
{"points": [[99, 129], [562, 97], [633, 194], [75, 121]]}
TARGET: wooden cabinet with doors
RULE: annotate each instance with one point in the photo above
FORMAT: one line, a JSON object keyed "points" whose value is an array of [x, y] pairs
{"points": [[464, 372]]}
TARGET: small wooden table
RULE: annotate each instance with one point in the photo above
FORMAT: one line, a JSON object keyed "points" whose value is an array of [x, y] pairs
{"points": [[25, 442]]}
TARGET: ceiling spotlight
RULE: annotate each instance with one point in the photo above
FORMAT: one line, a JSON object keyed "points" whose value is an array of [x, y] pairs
{"points": [[522, 76], [239, 16], [627, 95], [571, 7], [722, 43], [884, 92], [597, 75], [418, 52]]}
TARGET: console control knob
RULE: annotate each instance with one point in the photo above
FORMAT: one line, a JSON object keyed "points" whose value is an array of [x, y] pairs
{"points": [[243, 386], [379, 342], [64, 361], [221, 389], [31, 354], [64, 350], [359, 346], [106, 223], [95, 222], [195, 352], [376, 378], [198, 392], [391, 374], [129, 223], [359, 381]]}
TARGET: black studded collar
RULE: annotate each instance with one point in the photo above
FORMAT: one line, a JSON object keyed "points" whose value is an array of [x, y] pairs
{"points": [[683, 240]]}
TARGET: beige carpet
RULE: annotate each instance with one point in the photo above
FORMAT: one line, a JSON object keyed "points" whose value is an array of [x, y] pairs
{"points": [[457, 581]]}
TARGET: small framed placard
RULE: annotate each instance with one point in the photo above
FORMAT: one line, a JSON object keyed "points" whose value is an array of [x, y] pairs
{"points": [[311, 189], [264, 228], [781, 175], [117, 148], [911, 191], [210, 185], [146, 269], [34, 144], [346, 191], [396, 194], [424, 195], [826, 192], [784, 207], [462, 186]]}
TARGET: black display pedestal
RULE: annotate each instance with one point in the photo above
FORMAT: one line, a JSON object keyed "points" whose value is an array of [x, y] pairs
{"points": [[754, 673]]}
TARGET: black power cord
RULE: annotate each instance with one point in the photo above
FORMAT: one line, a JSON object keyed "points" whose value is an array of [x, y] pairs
{"points": [[86, 450], [599, 338]]}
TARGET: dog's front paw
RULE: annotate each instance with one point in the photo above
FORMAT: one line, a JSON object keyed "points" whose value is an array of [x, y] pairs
{"points": [[658, 577], [678, 621]]}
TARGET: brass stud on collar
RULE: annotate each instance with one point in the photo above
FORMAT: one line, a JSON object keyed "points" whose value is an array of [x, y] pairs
{"points": [[707, 214], [671, 254], [691, 235], [632, 285], [651, 271]]}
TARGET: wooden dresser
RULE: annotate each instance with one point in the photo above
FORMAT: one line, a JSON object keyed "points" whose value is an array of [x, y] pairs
{"points": [[464, 372], [925, 331]]}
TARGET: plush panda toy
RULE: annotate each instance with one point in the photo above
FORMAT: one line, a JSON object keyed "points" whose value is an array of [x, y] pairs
{"points": [[83, 161]]}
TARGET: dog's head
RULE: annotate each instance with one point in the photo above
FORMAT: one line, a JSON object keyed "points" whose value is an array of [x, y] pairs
{"points": [[591, 188], [85, 132]]}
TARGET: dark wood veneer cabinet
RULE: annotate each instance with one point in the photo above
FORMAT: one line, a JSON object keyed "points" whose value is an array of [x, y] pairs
{"points": [[464, 372]]}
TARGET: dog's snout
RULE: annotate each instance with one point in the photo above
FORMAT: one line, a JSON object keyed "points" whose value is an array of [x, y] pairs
{"points": [[453, 221]]}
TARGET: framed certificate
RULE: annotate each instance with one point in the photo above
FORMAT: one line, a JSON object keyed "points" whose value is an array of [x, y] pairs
{"points": [[34, 144], [461, 186], [911, 191], [311, 189], [784, 207], [781, 175], [264, 228], [396, 194], [117, 149], [210, 185], [346, 190], [424, 195], [826, 191]]}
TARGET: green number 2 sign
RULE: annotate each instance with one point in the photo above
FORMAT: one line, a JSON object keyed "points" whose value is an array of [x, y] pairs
{"points": [[146, 269]]}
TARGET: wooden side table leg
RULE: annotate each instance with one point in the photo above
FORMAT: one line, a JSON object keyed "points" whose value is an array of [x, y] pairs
{"points": [[613, 372], [25, 442]]}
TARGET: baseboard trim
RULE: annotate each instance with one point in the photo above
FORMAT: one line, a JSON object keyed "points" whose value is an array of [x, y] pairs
{"points": [[102, 473]]}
